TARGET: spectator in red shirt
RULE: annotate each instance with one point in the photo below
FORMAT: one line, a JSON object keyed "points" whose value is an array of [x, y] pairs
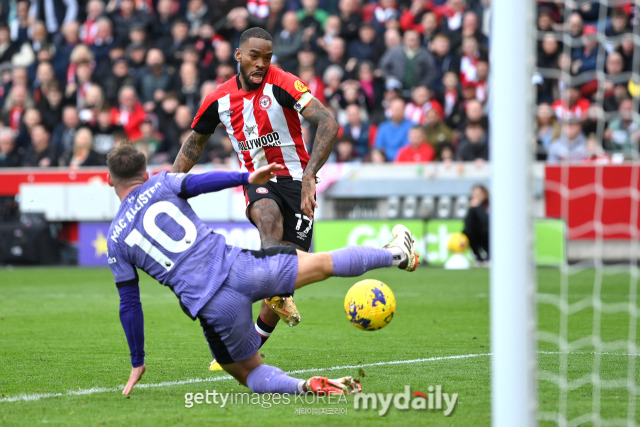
{"points": [[482, 85], [385, 11], [571, 104], [314, 83], [16, 101], [129, 113], [421, 102], [471, 55], [418, 150], [412, 16], [258, 8], [451, 12], [89, 29]]}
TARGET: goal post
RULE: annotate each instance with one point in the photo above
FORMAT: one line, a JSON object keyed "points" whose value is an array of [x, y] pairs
{"points": [[512, 288]]}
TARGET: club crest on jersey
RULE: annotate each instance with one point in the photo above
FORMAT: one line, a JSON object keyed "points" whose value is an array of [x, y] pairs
{"points": [[261, 190], [265, 102], [300, 87]]}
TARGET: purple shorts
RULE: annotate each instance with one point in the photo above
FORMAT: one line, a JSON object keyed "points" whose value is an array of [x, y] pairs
{"points": [[227, 319]]}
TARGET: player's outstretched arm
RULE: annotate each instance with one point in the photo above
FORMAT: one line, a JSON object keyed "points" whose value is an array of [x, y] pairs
{"points": [[263, 174], [209, 182], [327, 130], [132, 320], [190, 152]]}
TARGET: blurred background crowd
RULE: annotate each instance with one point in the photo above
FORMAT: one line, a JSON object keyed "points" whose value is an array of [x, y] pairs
{"points": [[407, 80], [587, 98]]}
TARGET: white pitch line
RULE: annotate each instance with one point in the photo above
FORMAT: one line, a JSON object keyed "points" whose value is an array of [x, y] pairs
{"points": [[392, 362], [38, 396]]}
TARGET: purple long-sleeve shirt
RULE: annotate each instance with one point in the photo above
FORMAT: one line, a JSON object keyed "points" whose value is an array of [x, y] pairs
{"points": [[156, 231]]}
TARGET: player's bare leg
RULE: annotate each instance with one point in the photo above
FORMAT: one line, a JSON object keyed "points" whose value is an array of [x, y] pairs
{"points": [[283, 306], [266, 215]]}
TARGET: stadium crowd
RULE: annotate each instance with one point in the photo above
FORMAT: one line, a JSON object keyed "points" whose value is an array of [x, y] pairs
{"points": [[585, 91], [407, 80]]}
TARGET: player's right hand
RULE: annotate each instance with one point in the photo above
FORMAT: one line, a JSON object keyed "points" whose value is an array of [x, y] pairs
{"points": [[263, 174], [134, 377]]}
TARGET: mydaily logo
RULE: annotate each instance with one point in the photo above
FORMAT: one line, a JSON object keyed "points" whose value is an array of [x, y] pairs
{"points": [[434, 400]]}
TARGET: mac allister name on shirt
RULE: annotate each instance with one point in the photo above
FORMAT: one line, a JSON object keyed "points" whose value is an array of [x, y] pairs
{"points": [[140, 202]]}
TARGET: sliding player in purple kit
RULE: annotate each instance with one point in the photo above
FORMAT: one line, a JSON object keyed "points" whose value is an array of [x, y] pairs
{"points": [[156, 231]]}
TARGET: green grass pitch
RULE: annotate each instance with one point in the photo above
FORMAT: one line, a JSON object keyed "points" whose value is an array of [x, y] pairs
{"points": [[64, 357]]}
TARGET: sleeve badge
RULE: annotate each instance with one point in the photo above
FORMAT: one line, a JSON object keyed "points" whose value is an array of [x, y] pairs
{"points": [[300, 87]]}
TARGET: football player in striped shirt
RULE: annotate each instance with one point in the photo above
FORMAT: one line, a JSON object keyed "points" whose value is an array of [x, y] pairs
{"points": [[261, 110]]}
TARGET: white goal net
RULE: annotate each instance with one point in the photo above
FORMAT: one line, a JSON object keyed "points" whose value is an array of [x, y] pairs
{"points": [[587, 128]]}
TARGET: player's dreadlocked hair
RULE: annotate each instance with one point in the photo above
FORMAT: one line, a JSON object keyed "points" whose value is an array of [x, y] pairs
{"points": [[255, 32], [125, 162]]}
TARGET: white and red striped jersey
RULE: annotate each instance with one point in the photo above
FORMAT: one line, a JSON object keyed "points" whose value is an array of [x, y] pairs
{"points": [[418, 113], [264, 125], [564, 111], [258, 8]]}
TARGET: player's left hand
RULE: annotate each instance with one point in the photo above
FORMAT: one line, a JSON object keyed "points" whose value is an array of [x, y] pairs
{"points": [[308, 198], [263, 174], [134, 377]]}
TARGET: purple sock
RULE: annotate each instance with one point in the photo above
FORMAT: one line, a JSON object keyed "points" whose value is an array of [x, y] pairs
{"points": [[269, 379], [353, 261]]}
